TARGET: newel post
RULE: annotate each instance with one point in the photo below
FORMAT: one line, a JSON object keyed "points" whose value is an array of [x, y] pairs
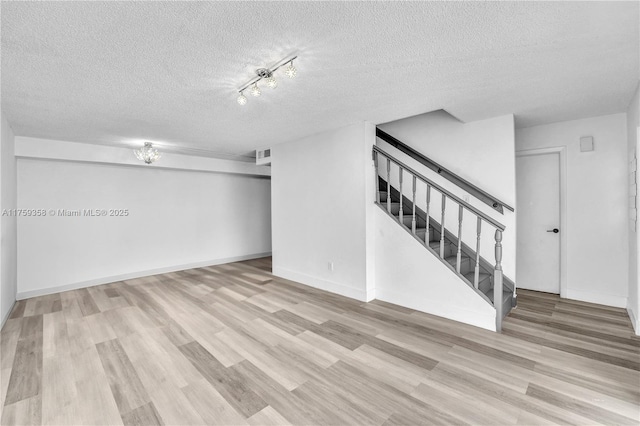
{"points": [[497, 281]]}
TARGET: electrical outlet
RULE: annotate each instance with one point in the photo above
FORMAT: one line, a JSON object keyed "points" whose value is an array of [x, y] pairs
{"points": [[330, 266]]}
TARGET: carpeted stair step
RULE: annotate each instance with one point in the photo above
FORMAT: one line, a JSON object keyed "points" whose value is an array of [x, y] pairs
{"points": [[420, 232], [449, 248], [484, 280], [465, 263], [507, 299], [505, 292], [407, 217], [383, 196], [395, 208], [435, 235]]}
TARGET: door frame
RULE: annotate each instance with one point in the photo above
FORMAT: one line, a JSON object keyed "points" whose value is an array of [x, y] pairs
{"points": [[562, 152]]}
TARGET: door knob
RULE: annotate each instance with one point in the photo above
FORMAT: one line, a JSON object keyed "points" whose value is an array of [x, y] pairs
{"points": [[554, 230]]}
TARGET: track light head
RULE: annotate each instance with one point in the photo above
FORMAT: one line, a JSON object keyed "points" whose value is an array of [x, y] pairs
{"points": [[272, 82], [242, 99], [290, 70]]}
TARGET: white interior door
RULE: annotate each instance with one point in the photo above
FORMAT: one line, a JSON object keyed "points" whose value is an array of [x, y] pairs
{"points": [[538, 215]]}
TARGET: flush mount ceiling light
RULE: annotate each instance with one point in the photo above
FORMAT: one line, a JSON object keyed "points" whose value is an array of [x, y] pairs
{"points": [[147, 153], [268, 76]]}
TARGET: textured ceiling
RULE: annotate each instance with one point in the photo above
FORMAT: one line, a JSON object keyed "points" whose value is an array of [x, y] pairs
{"points": [[122, 72]]}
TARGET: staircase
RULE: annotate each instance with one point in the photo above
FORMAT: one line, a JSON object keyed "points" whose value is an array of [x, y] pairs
{"points": [[478, 273]]}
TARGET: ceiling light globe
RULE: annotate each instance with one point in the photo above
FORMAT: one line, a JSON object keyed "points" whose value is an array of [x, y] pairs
{"points": [[255, 90], [272, 82], [147, 153], [242, 99], [290, 70]]}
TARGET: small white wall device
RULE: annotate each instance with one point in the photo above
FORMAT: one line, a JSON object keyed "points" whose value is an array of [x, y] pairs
{"points": [[586, 144]]}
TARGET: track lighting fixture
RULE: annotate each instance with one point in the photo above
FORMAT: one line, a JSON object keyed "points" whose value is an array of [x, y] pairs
{"points": [[268, 76]]}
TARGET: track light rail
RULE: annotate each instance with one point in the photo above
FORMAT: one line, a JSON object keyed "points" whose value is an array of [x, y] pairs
{"points": [[271, 71]]}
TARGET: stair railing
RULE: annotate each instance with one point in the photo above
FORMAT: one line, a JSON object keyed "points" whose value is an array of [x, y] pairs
{"points": [[379, 154], [467, 186]]}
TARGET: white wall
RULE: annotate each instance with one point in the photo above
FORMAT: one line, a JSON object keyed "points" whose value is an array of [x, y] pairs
{"points": [[597, 217], [8, 235], [481, 152], [633, 123], [177, 218], [322, 207]]}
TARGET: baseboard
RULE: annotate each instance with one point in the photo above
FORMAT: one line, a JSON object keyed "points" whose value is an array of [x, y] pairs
{"points": [[595, 297], [634, 321], [451, 312], [321, 284], [371, 294], [137, 274], [6, 316]]}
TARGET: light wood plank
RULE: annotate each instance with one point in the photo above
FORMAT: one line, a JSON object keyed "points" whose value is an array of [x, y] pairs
{"points": [[210, 405], [125, 384]]}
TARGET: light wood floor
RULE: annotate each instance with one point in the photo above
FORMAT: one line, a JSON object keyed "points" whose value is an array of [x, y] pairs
{"points": [[233, 345]]}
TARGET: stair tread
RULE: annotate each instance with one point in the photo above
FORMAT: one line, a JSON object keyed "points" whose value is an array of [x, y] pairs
{"points": [[506, 293], [454, 258], [481, 276], [436, 243]]}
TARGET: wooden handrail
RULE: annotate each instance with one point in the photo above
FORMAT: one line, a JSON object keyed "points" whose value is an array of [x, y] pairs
{"points": [[483, 196], [447, 193]]}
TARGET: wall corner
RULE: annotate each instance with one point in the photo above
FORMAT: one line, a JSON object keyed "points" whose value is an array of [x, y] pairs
{"points": [[369, 198]]}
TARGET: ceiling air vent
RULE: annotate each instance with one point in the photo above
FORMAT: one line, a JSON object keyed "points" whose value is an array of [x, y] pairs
{"points": [[263, 157]]}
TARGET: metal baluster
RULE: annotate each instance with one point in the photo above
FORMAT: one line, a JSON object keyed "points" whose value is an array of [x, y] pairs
{"points": [[388, 185], [426, 233], [476, 273], [459, 254], [400, 216], [444, 202], [413, 222], [497, 281]]}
